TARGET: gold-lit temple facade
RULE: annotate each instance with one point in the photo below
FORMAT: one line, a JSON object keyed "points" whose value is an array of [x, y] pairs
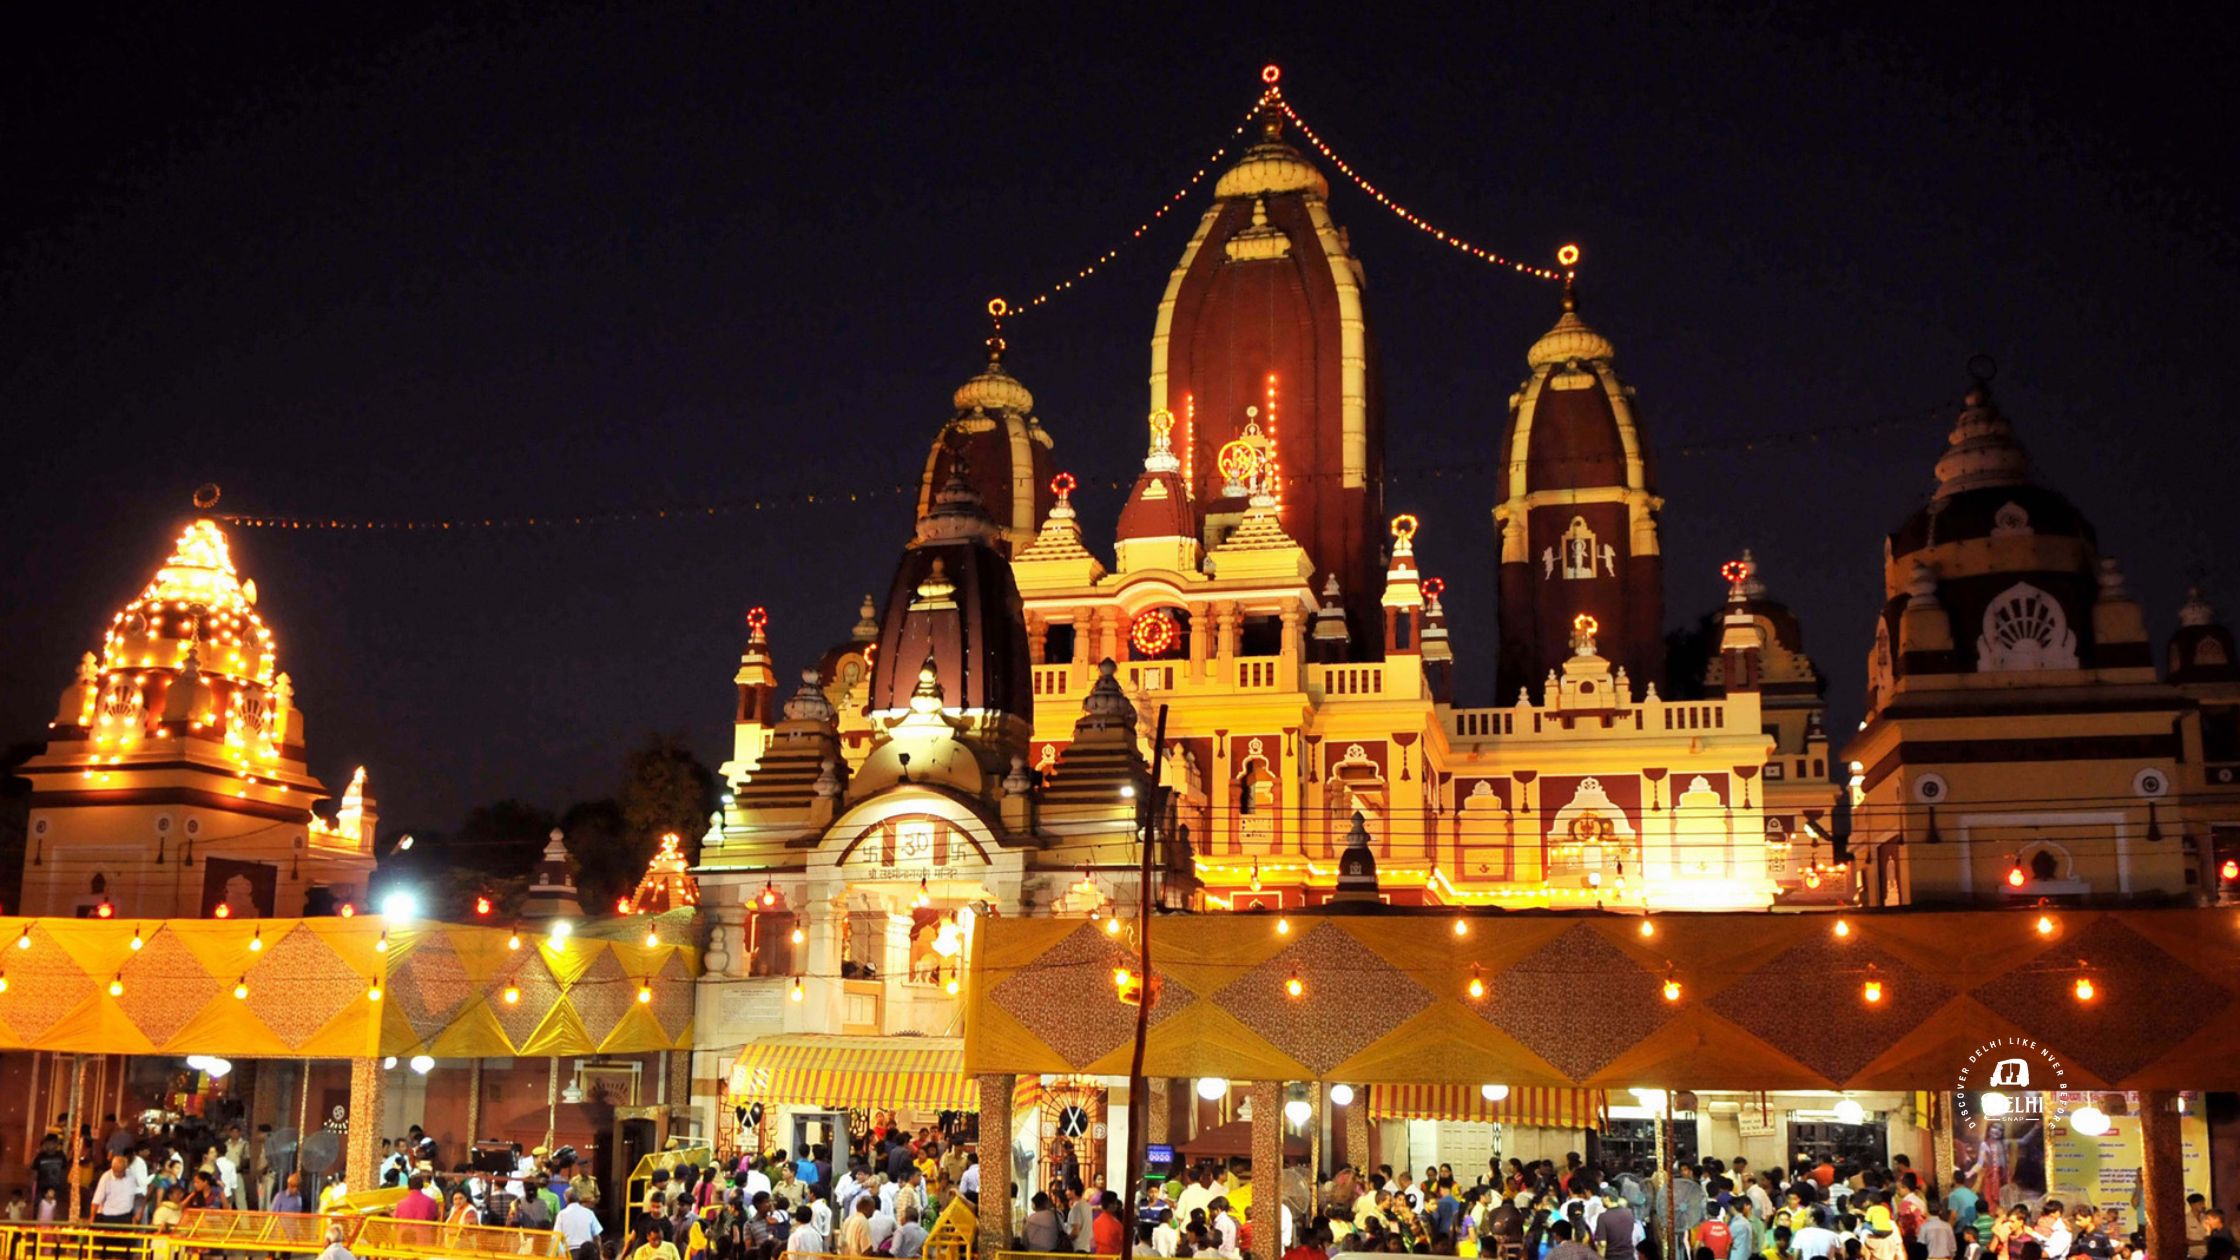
{"points": [[173, 780]]}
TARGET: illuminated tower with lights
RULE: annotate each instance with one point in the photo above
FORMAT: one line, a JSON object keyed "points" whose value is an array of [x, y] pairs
{"points": [[1262, 326], [1577, 514], [173, 780]]}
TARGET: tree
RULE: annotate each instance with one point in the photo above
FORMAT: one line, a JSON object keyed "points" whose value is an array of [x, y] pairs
{"points": [[600, 855], [666, 789]]}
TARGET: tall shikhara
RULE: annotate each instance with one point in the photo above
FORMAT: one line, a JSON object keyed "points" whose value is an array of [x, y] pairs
{"points": [[1262, 324]]}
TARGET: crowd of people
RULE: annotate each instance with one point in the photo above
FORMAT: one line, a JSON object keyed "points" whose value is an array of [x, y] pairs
{"points": [[1715, 1210]]}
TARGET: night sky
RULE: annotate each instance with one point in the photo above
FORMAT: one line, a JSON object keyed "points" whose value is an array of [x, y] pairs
{"points": [[548, 259]]}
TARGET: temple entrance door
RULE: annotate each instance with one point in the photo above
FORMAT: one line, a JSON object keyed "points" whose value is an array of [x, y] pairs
{"points": [[1072, 1116]]}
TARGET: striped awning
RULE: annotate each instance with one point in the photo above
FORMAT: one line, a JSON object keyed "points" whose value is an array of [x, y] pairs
{"points": [[1551, 1108], [843, 1072]]}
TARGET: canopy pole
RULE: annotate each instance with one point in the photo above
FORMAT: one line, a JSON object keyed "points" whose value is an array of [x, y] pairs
{"points": [[1151, 814]]}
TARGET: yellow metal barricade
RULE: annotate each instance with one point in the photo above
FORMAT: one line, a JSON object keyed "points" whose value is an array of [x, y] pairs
{"points": [[273, 1233], [955, 1233], [697, 1155], [381, 1237]]}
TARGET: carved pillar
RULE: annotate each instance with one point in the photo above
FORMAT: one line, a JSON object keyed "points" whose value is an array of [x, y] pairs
{"points": [[1201, 639], [1357, 1129], [995, 1161], [1085, 656], [78, 1152], [361, 1162], [1267, 1170], [1294, 642], [474, 1100], [2162, 1175], [1157, 1107]]}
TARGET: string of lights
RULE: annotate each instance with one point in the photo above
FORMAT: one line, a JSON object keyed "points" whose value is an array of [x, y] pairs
{"points": [[1402, 212], [1002, 309], [1446, 470]]}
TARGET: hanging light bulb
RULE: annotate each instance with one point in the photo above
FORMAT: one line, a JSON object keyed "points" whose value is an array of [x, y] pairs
{"points": [[220, 911], [769, 893], [1461, 926], [241, 989], [1112, 926], [2015, 877], [1212, 1088], [1493, 1093], [801, 936], [1872, 992], [1850, 1111], [560, 930], [1341, 1095], [483, 906], [1294, 986], [653, 938], [3, 982], [645, 995], [2085, 990], [2045, 925], [952, 986], [116, 987], [24, 941], [513, 939], [797, 993], [925, 894], [1477, 987], [373, 992], [256, 941], [137, 943], [1648, 927], [1671, 984], [1283, 926], [622, 905], [1298, 1112], [1842, 929], [104, 910], [1256, 874], [381, 945], [512, 995]]}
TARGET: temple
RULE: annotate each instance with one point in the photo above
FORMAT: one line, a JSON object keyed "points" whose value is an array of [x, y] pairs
{"points": [[173, 781]]}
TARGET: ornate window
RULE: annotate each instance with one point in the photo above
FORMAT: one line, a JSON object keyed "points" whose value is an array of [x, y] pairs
{"points": [[2025, 629], [1581, 552]]}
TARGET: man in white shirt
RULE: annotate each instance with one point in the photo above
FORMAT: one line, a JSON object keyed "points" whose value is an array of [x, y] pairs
{"points": [[969, 1183], [755, 1182], [116, 1197], [806, 1239], [1224, 1228], [1816, 1240], [577, 1225]]}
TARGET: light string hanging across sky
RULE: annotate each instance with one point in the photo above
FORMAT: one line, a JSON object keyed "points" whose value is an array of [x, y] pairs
{"points": [[1271, 95]]}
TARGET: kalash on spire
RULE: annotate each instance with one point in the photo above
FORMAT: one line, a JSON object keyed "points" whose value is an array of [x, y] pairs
{"points": [[179, 741]]}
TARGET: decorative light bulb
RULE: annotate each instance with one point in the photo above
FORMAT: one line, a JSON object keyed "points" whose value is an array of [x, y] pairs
{"points": [[797, 994], [1293, 986], [1461, 926], [1843, 928], [116, 987], [1648, 927], [952, 986], [1341, 1095], [645, 995], [137, 943], [2045, 925], [925, 895], [1872, 990], [2089, 1120], [1112, 926], [256, 941], [220, 911], [1671, 986], [653, 938], [1493, 1093], [1122, 977], [373, 992], [2085, 991], [2015, 877], [769, 894], [512, 994], [799, 936], [24, 941], [241, 989], [1477, 989], [1283, 926], [513, 939], [381, 946]]}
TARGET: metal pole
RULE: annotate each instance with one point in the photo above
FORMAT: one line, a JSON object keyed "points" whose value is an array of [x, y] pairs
{"points": [[551, 1100], [1151, 815]]}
